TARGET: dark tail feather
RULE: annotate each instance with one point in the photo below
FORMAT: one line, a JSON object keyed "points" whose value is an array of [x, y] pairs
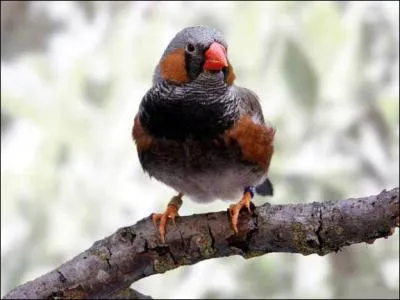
{"points": [[265, 188]]}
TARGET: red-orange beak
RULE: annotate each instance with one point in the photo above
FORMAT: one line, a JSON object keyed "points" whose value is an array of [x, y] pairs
{"points": [[215, 57]]}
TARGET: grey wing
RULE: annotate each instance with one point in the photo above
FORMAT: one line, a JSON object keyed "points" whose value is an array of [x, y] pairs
{"points": [[249, 103]]}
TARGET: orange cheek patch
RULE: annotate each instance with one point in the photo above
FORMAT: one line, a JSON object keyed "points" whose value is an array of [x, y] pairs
{"points": [[231, 75], [142, 138], [254, 140], [172, 67]]}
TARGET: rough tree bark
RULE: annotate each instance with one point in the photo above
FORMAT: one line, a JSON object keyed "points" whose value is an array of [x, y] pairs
{"points": [[111, 265]]}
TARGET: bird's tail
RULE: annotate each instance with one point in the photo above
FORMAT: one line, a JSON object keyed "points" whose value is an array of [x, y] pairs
{"points": [[265, 188]]}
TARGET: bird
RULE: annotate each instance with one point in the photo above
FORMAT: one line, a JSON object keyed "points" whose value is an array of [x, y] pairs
{"points": [[198, 132]]}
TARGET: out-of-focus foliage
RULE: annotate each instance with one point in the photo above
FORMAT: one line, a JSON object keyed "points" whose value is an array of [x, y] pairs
{"points": [[72, 76]]}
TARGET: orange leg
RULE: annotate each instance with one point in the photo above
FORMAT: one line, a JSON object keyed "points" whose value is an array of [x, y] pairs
{"points": [[171, 212], [234, 209]]}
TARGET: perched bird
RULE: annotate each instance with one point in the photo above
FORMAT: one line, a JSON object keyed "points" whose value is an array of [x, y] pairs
{"points": [[199, 133]]}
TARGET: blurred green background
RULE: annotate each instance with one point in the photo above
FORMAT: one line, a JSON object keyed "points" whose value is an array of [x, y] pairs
{"points": [[72, 77]]}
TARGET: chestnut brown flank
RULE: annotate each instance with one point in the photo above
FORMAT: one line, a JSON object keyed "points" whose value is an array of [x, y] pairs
{"points": [[172, 67], [142, 138], [255, 140]]}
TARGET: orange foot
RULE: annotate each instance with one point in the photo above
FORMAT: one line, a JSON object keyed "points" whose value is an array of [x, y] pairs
{"points": [[234, 209], [171, 212]]}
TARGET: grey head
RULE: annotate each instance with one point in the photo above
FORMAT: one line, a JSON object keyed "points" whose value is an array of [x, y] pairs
{"points": [[192, 42]]}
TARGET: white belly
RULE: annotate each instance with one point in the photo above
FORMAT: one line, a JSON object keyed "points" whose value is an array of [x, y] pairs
{"points": [[225, 184]]}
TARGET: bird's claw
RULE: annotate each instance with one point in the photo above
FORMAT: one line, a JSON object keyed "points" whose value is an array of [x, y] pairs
{"points": [[170, 213], [234, 209]]}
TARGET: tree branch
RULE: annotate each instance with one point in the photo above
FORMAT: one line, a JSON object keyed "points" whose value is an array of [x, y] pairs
{"points": [[128, 294], [111, 265]]}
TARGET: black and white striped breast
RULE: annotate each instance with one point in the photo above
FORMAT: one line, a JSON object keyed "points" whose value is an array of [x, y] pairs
{"points": [[201, 109]]}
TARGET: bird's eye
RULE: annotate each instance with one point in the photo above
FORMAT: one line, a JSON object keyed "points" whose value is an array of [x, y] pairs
{"points": [[190, 47]]}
